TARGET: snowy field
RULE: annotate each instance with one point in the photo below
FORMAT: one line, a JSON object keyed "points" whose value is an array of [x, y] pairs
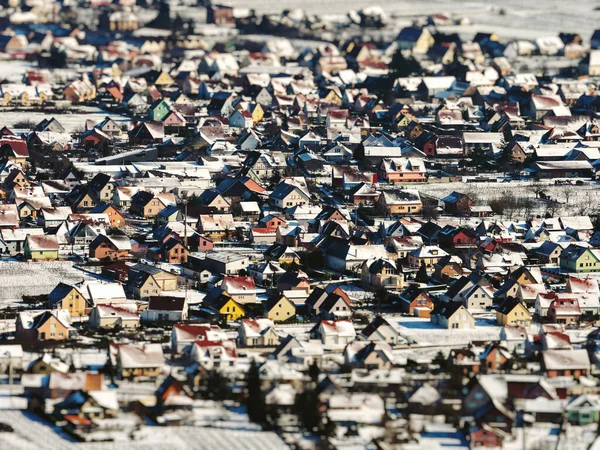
{"points": [[72, 122], [573, 200], [523, 19], [34, 278], [32, 433], [427, 334]]}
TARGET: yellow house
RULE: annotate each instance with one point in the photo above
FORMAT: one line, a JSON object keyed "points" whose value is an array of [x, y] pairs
{"points": [[41, 247], [164, 79], [379, 272], [333, 98], [228, 308], [257, 113], [83, 202], [406, 201], [280, 308], [525, 276], [513, 312], [65, 296]]}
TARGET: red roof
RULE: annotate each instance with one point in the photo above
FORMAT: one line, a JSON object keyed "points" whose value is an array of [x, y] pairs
{"points": [[18, 146], [239, 283], [77, 420]]}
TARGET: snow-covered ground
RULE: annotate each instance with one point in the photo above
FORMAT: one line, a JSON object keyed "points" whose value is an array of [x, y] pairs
{"points": [[427, 334], [34, 278], [71, 121], [509, 19], [573, 200], [32, 433]]}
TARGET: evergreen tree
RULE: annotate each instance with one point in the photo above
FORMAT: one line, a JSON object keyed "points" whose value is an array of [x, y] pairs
{"points": [[314, 372], [380, 297], [422, 276], [217, 387], [307, 408], [255, 401], [163, 20], [403, 67], [58, 58]]}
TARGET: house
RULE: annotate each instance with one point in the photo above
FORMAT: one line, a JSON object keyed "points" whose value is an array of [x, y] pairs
{"points": [[334, 307], [183, 336], [70, 298], [428, 255], [158, 110], [79, 408], [452, 315], [460, 237], [121, 315], [415, 301], [289, 195], [402, 170], [44, 247], [229, 263], [258, 333], [562, 169], [380, 272], [477, 297], [380, 330], [146, 133], [513, 313], [279, 308], [113, 247], [146, 204], [146, 281], [136, 360], [101, 292], [417, 40], [15, 150], [333, 332], [241, 119], [43, 325], [241, 288], [579, 259], [114, 215], [216, 226], [583, 409], [549, 252], [401, 202], [224, 305], [164, 308], [457, 204], [172, 251], [564, 310], [563, 363], [369, 355], [294, 281]]}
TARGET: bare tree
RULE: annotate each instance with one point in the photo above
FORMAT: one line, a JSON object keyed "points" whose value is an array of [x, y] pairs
{"points": [[537, 189], [568, 192]]}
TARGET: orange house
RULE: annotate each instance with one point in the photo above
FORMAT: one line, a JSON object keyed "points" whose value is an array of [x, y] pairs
{"points": [[41, 327], [114, 248], [114, 215], [172, 251]]}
